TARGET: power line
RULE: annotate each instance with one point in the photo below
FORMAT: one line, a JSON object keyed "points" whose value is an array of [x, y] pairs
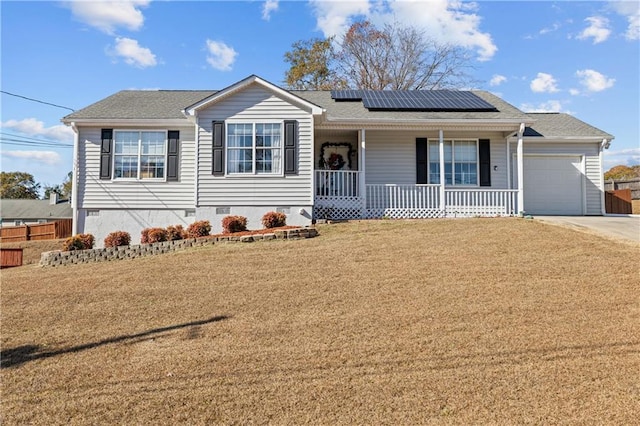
{"points": [[37, 100], [7, 141], [30, 138]]}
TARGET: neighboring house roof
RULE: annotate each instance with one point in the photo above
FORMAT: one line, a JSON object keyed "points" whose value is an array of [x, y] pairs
{"points": [[34, 209], [141, 104], [561, 125], [355, 110]]}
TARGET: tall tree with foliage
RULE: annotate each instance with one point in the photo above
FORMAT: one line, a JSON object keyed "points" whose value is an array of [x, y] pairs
{"points": [[17, 185], [622, 172], [310, 65], [394, 57]]}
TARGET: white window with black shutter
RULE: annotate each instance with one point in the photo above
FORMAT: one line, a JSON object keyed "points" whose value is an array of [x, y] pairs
{"points": [[466, 162], [140, 155], [266, 148]]}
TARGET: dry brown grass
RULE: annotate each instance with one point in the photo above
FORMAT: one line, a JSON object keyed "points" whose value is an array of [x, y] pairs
{"points": [[32, 250], [498, 321]]}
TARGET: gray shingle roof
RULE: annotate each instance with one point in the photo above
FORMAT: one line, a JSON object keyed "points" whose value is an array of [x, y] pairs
{"points": [[141, 104], [34, 210], [562, 125], [168, 104], [356, 110]]}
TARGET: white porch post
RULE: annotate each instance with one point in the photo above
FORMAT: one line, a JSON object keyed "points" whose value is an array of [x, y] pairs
{"points": [[361, 168], [520, 169], [441, 148]]}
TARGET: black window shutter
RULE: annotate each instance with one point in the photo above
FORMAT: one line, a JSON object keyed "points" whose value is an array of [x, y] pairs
{"points": [[105, 153], [484, 151], [173, 148], [290, 147], [421, 160], [218, 148]]}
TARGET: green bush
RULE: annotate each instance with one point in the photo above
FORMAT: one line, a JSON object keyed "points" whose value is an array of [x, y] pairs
{"points": [[274, 219], [117, 239], [231, 224]]}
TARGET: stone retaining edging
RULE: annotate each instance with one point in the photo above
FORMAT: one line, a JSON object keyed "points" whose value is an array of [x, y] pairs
{"points": [[63, 258]]}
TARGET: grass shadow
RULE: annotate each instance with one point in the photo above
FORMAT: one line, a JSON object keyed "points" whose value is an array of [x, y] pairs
{"points": [[19, 355]]}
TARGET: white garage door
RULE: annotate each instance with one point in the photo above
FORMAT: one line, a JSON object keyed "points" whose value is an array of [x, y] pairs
{"points": [[553, 185]]}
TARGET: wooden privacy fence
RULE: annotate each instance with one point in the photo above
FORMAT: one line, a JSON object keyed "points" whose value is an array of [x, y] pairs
{"points": [[10, 257], [618, 201], [42, 231]]}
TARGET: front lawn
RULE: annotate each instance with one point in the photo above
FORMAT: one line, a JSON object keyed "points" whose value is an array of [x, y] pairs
{"points": [[398, 322]]}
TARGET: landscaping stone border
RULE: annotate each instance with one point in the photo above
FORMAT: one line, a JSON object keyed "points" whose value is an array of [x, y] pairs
{"points": [[63, 258]]}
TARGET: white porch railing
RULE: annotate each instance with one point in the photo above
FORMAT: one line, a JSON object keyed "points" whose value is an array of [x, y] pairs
{"points": [[338, 183], [403, 201], [480, 202], [338, 196]]}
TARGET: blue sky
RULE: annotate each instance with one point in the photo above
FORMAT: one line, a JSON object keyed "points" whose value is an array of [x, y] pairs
{"points": [[570, 56]]}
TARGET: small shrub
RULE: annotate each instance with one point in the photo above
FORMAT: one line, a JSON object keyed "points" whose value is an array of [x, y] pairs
{"points": [[117, 239], [231, 224], [274, 219], [78, 242], [201, 228], [157, 235], [175, 232], [144, 236]]}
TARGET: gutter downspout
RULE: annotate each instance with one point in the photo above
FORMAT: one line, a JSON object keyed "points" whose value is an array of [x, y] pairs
{"points": [[603, 145], [520, 170], [74, 179]]}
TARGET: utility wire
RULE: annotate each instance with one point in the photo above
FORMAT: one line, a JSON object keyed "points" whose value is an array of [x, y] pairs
{"points": [[9, 141], [29, 138], [37, 100]]}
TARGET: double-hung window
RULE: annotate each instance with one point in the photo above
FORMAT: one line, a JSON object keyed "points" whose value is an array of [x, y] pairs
{"points": [[254, 148], [139, 154], [460, 162]]}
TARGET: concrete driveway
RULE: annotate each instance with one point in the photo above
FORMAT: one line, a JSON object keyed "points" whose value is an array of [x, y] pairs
{"points": [[627, 227]]}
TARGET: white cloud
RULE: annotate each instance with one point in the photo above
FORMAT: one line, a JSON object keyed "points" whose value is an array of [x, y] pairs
{"points": [[497, 80], [631, 11], [549, 106], [626, 157], [221, 56], [555, 27], [107, 16], [593, 81], [597, 29], [574, 92], [133, 53], [268, 8], [447, 21], [34, 127], [49, 158], [544, 83]]}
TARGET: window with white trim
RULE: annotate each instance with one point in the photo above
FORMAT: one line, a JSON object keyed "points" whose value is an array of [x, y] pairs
{"points": [[139, 154], [460, 162], [254, 148]]}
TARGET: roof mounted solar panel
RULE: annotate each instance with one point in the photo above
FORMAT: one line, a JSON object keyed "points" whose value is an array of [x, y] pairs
{"points": [[424, 100], [346, 95]]}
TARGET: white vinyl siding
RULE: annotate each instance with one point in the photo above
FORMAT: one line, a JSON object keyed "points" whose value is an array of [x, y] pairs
{"points": [[95, 193], [391, 156], [254, 104]]}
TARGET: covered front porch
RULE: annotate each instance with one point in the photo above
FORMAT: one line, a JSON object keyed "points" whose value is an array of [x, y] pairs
{"points": [[370, 185]]}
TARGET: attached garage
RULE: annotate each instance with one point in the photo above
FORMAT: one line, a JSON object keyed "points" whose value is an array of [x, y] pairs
{"points": [[553, 184]]}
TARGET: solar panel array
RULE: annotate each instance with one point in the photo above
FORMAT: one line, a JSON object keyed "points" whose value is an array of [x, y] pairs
{"points": [[414, 100]]}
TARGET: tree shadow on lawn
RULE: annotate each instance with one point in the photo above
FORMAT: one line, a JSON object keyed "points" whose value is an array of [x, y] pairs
{"points": [[17, 356]]}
